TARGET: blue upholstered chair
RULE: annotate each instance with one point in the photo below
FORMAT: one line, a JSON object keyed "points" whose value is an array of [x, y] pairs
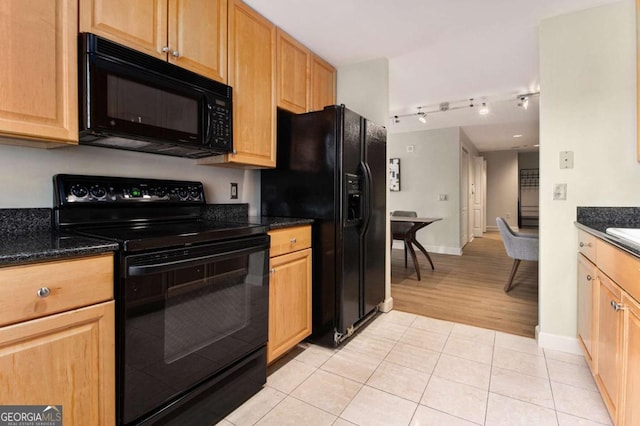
{"points": [[519, 246]]}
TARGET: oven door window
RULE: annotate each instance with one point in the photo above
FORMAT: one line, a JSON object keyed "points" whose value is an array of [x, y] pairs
{"points": [[189, 313]]}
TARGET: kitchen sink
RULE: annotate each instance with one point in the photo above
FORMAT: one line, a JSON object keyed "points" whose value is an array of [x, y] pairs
{"points": [[628, 235]]}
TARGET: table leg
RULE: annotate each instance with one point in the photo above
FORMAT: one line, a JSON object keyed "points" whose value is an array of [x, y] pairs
{"points": [[422, 249], [412, 252]]}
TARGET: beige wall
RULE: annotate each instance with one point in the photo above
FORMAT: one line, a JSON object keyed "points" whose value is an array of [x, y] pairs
{"points": [[433, 168], [26, 173], [588, 106], [364, 88], [502, 187]]}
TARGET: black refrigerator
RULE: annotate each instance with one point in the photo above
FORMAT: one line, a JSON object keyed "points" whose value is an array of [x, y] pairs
{"points": [[331, 167]]}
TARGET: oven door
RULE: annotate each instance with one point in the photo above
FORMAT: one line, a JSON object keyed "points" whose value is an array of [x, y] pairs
{"points": [[188, 314]]}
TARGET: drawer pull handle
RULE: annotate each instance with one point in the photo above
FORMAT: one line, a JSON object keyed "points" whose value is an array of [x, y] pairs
{"points": [[585, 244], [589, 277], [272, 271], [294, 240], [43, 292], [617, 306]]}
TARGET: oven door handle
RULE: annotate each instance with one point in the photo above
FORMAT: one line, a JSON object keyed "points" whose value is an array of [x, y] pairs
{"points": [[156, 268]]}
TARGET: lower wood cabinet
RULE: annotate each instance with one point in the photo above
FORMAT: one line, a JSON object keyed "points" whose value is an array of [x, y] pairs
{"points": [[609, 324], [67, 358], [609, 329], [289, 289], [631, 362]]}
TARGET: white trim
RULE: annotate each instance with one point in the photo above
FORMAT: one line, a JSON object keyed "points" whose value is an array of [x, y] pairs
{"points": [[456, 251], [558, 342], [495, 228], [387, 305]]}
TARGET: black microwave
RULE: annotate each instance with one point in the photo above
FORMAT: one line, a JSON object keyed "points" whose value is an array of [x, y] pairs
{"points": [[133, 101]]}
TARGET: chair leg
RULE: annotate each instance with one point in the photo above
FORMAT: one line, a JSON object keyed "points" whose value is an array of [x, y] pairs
{"points": [[514, 268]]}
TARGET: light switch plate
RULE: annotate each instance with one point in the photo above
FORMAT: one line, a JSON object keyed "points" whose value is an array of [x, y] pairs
{"points": [[234, 191], [559, 191], [410, 148]]}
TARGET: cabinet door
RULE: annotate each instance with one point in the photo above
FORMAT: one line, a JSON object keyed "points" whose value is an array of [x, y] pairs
{"points": [[139, 24], [198, 36], [38, 82], [293, 74], [289, 302], [610, 322], [586, 308], [629, 408], [65, 359], [252, 68], [323, 84]]}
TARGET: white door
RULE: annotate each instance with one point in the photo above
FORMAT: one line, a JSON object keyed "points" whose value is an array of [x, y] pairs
{"points": [[464, 198], [477, 197]]}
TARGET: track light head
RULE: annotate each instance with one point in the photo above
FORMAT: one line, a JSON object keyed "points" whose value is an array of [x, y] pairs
{"points": [[422, 117], [524, 102], [484, 110]]}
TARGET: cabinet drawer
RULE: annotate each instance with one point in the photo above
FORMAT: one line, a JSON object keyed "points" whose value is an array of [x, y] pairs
{"points": [[287, 240], [71, 284], [587, 245], [622, 267]]}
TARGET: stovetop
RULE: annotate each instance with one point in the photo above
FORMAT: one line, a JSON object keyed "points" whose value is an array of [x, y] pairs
{"points": [[136, 237], [139, 213]]}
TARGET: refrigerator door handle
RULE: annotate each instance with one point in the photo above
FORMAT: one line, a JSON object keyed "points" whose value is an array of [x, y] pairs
{"points": [[366, 174]]}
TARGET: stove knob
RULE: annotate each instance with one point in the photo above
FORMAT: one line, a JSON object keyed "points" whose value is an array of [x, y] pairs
{"points": [[98, 191], [194, 193], [183, 193], [79, 191], [160, 192]]}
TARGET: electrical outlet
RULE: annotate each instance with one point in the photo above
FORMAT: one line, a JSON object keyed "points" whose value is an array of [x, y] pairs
{"points": [[410, 148], [442, 197], [234, 191]]}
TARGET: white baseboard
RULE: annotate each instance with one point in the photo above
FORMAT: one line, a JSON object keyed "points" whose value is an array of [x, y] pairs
{"points": [[432, 249], [387, 305], [558, 343]]}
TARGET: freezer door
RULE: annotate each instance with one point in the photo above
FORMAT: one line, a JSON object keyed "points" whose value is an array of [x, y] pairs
{"points": [[349, 275], [374, 239]]}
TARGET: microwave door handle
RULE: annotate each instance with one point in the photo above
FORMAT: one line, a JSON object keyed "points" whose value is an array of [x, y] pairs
{"points": [[207, 135]]}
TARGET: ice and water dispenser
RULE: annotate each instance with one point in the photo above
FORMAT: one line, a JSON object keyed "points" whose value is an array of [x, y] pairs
{"points": [[353, 205]]}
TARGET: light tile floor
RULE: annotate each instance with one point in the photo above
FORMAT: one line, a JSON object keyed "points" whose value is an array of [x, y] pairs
{"points": [[405, 369]]}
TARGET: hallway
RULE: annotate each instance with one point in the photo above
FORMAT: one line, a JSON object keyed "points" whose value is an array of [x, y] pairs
{"points": [[469, 289]]}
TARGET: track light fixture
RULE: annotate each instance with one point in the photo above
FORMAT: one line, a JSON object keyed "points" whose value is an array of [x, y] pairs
{"points": [[422, 117], [523, 102]]}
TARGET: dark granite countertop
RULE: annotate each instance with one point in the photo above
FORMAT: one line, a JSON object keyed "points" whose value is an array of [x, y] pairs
{"points": [[279, 222], [47, 245], [596, 220]]}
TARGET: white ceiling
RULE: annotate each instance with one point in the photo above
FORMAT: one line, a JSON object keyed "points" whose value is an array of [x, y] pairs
{"points": [[438, 51]]}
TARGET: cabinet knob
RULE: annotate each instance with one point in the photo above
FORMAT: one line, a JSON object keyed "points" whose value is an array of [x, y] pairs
{"points": [[585, 244], [617, 306], [175, 53], [165, 49], [43, 292], [293, 240], [589, 277], [272, 271]]}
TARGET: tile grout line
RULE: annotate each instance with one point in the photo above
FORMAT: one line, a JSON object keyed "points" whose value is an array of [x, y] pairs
{"points": [[493, 353]]}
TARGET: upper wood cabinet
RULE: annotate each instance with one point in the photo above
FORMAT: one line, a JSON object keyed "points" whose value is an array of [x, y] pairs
{"points": [[323, 84], [189, 33], [294, 62], [38, 81], [252, 74], [305, 81]]}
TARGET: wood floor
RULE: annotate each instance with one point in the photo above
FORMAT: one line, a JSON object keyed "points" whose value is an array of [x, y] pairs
{"points": [[469, 288]]}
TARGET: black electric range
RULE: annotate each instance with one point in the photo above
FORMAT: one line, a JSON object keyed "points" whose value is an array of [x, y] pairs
{"points": [[191, 296]]}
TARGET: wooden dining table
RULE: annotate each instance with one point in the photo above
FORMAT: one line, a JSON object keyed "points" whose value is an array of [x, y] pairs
{"points": [[410, 237]]}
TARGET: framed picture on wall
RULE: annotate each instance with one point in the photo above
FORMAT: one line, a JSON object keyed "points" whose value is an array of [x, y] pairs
{"points": [[394, 174]]}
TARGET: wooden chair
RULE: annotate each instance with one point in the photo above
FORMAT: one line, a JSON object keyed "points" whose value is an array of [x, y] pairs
{"points": [[519, 247]]}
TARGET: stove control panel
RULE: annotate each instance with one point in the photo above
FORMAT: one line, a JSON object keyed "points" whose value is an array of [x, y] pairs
{"points": [[72, 189]]}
